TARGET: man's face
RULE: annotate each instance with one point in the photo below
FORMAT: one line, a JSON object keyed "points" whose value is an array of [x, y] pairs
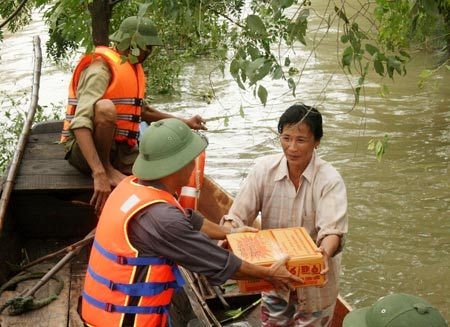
{"points": [[298, 144], [144, 54]]}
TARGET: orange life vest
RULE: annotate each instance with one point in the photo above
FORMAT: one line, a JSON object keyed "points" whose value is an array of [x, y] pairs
{"points": [[190, 199], [110, 282], [126, 90]]}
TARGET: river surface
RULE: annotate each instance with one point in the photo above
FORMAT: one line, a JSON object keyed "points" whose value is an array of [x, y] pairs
{"points": [[399, 208]]}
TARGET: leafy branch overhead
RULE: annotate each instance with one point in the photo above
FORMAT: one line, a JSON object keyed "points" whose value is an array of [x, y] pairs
{"points": [[258, 38]]}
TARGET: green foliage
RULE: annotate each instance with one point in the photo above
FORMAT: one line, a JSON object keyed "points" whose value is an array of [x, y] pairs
{"points": [[13, 120], [379, 147], [250, 35], [69, 28], [360, 53], [7, 7], [424, 23], [427, 74], [189, 29]]}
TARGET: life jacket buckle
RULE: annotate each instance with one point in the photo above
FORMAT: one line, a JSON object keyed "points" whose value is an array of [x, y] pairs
{"points": [[138, 102], [136, 118], [112, 285], [108, 307], [122, 260], [133, 134]]}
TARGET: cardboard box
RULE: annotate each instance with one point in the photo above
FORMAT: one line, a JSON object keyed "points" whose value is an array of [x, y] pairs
{"points": [[267, 246]]}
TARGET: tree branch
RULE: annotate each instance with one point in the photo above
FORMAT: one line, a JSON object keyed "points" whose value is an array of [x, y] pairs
{"points": [[14, 14], [226, 17]]}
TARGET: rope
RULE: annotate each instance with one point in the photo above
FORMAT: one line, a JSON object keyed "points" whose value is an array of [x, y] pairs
{"points": [[21, 304]]}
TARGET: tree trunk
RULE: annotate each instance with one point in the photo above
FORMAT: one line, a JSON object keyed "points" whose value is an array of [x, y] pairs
{"points": [[100, 13]]}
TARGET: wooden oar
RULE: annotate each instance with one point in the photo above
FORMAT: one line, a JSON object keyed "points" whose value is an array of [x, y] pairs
{"points": [[9, 182]]}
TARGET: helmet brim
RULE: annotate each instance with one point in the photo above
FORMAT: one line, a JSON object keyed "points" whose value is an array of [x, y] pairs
{"points": [[158, 168]]}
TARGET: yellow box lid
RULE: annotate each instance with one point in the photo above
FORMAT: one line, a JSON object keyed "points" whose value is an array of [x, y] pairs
{"points": [[267, 246]]}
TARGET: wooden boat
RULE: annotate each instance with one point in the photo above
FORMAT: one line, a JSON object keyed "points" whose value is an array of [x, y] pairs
{"points": [[48, 209], [44, 206]]}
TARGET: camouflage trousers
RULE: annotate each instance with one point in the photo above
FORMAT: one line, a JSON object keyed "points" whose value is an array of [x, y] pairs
{"points": [[276, 312]]}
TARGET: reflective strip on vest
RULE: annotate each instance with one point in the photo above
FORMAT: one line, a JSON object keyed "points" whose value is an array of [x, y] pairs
{"points": [[130, 101]]}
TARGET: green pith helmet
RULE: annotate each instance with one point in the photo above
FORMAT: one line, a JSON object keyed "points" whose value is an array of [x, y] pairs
{"points": [[139, 29], [396, 310], [165, 147]]}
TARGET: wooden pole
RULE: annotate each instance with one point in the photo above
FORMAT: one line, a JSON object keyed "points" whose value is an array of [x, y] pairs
{"points": [[15, 163], [85, 241], [204, 311], [61, 263]]}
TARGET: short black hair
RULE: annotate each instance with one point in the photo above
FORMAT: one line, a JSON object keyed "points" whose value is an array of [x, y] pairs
{"points": [[305, 114]]}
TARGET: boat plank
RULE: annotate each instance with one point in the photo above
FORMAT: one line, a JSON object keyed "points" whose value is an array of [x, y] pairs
{"points": [[49, 126], [47, 167], [43, 166], [54, 314], [214, 202], [78, 269], [44, 151], [340, 310], [44, 183], [51, 139]]}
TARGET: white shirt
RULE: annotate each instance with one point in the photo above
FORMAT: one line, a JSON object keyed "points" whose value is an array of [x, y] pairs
{"points": [[319, 205]]}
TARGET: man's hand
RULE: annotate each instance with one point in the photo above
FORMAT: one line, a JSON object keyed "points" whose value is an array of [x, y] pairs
{"points": [[243, 229], [280, 277], [196, 122], [102, 189], [326, 267]]}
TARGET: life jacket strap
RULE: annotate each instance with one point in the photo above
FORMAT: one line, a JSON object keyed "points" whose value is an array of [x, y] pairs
{"points": [[131, 101], [127, 133], [109, 307], [132, 261], [130, 117], [135, 289]]}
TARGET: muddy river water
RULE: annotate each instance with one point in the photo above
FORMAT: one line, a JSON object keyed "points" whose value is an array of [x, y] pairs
{"points": [[399, 208]]}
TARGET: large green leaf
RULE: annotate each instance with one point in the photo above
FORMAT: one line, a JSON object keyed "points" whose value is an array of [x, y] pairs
{"points": [[371, 49], [256, 26], [292, 85], [278, 72], [262, 94], [234, 67], [347, 56], [379, 67]]}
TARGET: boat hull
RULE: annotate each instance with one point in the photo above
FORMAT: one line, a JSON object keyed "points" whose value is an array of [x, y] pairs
{"points": [[49, 209]]}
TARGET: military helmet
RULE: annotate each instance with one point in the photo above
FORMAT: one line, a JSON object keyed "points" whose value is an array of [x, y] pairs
{"points": [[167, 146], [141, 30]]}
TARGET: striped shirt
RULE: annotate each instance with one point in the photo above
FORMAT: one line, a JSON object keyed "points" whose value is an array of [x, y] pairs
{"points": [[319, 205]]}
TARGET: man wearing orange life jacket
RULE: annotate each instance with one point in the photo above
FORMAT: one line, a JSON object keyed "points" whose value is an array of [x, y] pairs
{"points": [[143, 233], [106, 106]]}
